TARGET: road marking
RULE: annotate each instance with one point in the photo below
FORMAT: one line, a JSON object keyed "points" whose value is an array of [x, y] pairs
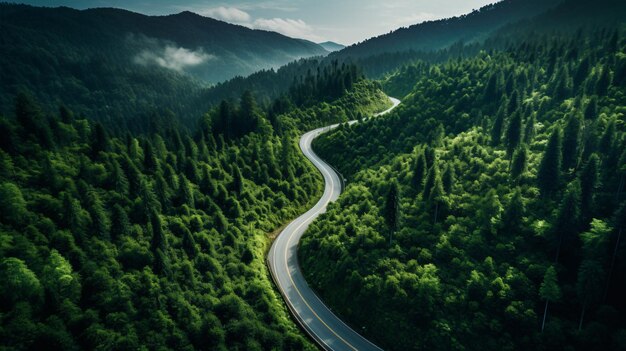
{"points": [[293, 233], [319, 164]]}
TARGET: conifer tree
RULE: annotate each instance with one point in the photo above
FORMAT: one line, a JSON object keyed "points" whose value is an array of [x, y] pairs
{"points": [[549, 291], [419, 171], [514, 133], [519, 164], [571, 141], [588, 184], [549, 174], [392, 209], [496, 130], [120, 225]]}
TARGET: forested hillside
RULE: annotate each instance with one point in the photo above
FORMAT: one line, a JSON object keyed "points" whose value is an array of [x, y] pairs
{"points": [[439, 34], [114, 64], [488, 212], [156, 240]]}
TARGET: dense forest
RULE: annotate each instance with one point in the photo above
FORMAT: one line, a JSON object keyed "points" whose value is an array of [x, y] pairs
{"points": [[488, 211], [157, 240], [115, 65]]}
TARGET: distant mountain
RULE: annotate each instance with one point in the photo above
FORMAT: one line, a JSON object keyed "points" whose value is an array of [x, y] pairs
{"points": [[331, 46], [434, 35], [114, 63]]}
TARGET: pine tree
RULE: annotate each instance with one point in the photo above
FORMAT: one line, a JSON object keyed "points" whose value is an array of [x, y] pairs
{"points": [[549, 174], [549, 291], [591, 110], [588, 184], [448, 178], [514, 212], [419, 171], [120, 225], [529, 129], [604, 82], [519, 164], [496, 130], [567, 222], [237, 185], [392, 209], [437, 198], [571, 141], [150, 162], [159, 240], [99, 217], [514, 133], [589, 286], [99, 140], [607, 139], [433, 173]]}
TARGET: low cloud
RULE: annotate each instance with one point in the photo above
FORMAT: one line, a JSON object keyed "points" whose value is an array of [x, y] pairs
{"points": [[289, 27], [172, 57], [229, 14]]}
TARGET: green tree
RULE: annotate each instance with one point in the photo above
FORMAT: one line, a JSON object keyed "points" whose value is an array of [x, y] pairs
{"points": [[392, 209], [571, 141], [120, 225], [589, 286], [589, 181], [519, 164], [12, 204], [549, 291], [567, 221], [514, 133], [419, 171], [19, 283], [437, 198], [549, 173], [496, 129]]}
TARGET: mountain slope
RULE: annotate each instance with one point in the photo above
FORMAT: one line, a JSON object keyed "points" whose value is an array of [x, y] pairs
{"points": [[332, 46], [111, 62], [433, 35]]}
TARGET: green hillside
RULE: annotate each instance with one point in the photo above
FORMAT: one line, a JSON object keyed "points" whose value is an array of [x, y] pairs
{"points": [[493, 194]]}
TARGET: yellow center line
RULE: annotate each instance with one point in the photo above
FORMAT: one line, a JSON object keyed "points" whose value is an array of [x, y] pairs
{"points": [[289, 271]]}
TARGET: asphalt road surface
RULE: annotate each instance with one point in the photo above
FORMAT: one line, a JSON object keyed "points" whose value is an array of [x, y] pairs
{"points": [[314, 316]]}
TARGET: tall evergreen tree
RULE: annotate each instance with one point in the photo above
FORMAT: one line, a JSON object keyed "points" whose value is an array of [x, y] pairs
{"points": [[549, 174], [549, 291], [514, 133], [392, 209], [419, 171], [571, 141], [496, 129], [519, 164], [588, 184]]}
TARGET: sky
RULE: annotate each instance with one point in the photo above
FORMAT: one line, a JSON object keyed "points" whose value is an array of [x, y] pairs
{"points": [[342, 21]]}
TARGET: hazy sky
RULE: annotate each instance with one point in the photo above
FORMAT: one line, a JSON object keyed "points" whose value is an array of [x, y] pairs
{"points": [[343, 21]]}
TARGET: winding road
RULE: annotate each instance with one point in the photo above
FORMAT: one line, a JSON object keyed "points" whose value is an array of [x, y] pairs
{"points": [[314, 316]]}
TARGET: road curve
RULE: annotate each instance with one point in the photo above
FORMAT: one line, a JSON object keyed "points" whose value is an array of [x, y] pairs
{"points": [[314, 316]]}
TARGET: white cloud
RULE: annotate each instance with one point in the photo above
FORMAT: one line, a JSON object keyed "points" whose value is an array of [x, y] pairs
{"points": [[229, 14], [289, 27], [174, 58]]}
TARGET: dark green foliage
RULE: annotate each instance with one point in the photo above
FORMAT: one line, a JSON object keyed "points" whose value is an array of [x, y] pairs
{"points": [[549, 172], [113, 65], [419, 171], [515, 246], [513, 133], [589, 184], [496, 129], [138, 241], [519, 164], [392, 207], [571, 143]]}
